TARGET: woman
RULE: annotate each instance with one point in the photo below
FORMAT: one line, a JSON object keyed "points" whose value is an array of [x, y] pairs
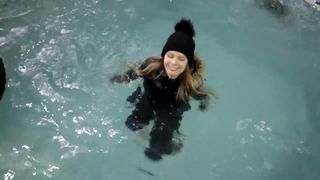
{"points": [[168, 83]]}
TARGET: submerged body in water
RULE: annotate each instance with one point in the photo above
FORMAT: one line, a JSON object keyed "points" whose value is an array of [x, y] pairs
{"points": [[157, 101], [169, 82]]}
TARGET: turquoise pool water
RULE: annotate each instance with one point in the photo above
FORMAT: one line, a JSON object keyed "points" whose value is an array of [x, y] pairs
{"points": [[60, 118]]}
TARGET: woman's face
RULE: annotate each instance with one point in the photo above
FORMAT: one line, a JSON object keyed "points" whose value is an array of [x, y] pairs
{"points": [[174, 63]]}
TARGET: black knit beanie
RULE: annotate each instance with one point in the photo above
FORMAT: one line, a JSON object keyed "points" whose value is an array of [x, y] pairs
{"points": [[182, 40]]}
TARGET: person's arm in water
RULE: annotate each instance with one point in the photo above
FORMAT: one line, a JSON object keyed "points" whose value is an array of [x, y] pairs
{"points": [[2, 78], [204, 101], [129, 76]]}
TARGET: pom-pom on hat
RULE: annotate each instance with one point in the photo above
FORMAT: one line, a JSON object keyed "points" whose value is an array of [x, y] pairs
{"points": [[182, 40]]}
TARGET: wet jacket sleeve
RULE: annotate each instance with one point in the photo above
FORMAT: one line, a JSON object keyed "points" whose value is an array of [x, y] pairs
{"points": [[134, 97], [127, 77], [204, 101]]}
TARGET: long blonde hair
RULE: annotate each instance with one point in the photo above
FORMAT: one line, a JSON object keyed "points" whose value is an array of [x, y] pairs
{"points": [[191, 83]]}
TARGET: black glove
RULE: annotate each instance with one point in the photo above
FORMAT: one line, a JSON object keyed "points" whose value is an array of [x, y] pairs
{"points": [[119, 78], [204, 104]]}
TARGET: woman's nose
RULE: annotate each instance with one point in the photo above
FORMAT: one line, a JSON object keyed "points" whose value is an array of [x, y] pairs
{"points": [[174, 61]]}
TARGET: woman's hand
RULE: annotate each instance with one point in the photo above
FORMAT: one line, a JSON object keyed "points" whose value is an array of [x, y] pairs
{"points": [[119, 78], [204, 104]]}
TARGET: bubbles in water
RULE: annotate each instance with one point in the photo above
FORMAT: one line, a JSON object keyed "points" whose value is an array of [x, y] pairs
{"points": [[243, 124], [64, 114], [46, 52], [85, 130], [9, 175], [48, 120], [62, 141], [252, 130], [52, 41], [113, 132], [65, 31], [122, 138], [52, 168], [261, 126], [70, 153], [40, 82], [22, 69], [76, 119], [25, 147]]}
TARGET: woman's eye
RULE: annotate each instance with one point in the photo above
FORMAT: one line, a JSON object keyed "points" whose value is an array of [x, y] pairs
{"points": [[182, 58], [170, 55]]}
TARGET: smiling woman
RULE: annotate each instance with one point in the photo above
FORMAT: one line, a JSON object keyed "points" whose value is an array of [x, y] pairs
{"points": [[174, 63], [169, 82]]}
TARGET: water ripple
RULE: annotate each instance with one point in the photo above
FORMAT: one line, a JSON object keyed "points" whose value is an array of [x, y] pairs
{"points": [[12, 34], [15, 16], [21, 159]]}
